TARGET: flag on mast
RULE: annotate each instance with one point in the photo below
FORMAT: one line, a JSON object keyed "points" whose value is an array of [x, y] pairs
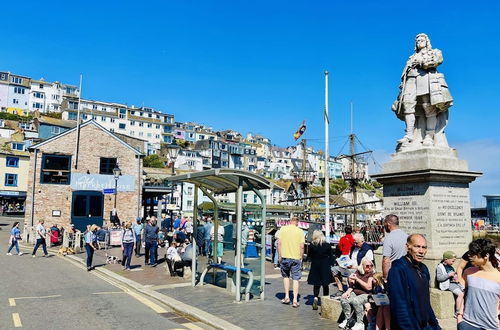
{"points": [[300, 131]]}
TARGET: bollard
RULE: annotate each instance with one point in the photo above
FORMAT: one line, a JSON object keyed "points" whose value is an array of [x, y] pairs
{"points": [[65, 239], [78, 242], [25, 233]]}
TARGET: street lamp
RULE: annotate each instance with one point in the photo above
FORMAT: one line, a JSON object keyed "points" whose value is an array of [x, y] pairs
{"points": [[116, 174], [173, 152]]}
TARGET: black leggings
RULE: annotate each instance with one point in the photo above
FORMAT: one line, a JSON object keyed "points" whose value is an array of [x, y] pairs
{"points": [[326, 290]]}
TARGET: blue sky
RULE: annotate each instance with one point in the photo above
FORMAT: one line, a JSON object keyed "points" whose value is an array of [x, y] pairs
{"points": [[257, 66]]}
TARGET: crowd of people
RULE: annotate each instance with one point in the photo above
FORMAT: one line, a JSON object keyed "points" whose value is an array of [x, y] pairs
{"points": [[398, 296]]}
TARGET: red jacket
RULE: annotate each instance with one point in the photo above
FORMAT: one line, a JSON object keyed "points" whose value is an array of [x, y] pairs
{"points": [[345, 244]]}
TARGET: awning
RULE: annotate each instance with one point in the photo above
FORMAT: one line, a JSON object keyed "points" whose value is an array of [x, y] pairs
{"points": [[223, 181]]}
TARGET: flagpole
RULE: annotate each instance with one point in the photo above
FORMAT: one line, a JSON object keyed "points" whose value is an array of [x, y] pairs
{"points": [[326, 167], [78, 124]]}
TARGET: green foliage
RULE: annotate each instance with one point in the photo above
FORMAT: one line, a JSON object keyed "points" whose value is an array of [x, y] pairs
{"points": [[336, 187], [10, 116], [153, 161], [57, 115]]}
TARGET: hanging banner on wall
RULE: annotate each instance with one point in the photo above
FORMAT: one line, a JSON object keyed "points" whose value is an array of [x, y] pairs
{"points": [[99, 182]]}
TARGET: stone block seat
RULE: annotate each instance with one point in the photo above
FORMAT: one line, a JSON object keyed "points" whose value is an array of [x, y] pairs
{"points": [[443, 304]]}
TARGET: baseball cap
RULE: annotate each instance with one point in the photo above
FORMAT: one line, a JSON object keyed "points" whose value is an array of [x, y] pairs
{"points": [[449, 255]]}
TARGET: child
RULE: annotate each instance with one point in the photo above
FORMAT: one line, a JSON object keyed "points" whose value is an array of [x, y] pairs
{"points": [[447, 278], [383, 312]]}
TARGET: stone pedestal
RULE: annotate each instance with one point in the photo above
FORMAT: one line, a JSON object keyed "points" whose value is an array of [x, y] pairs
{"points": [[428, 189]]}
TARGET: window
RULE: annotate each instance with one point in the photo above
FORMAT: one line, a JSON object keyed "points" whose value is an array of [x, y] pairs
{"points": [[18, 146], [167, 139], [122, 115], [41, 86], [10, 180], [56, 169], [254, 199], [245, 198], [73, 105], [112, 120], [141, 124], [111, 129], [16, 80], [150, 115], [18, 90], [84, 116], [132, 123], [132, 133], [190, 191], [12, 162], [123, 111], [141, 134], [121, 126], [55, 97], [167, 129], [103, 118], [107, 165], [72, 116], [55, 130], [189, 203], [157, 126], [94, 106], [24, 125], [38, 95], [150, 125], [37, 105], [141, 114], [158, 117], [132, 112], [15, 101], [103, 109], [149, 135], [157, 136]]}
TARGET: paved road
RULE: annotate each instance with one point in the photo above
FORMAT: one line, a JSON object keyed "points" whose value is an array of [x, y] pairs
{"points": [[52, 293]]}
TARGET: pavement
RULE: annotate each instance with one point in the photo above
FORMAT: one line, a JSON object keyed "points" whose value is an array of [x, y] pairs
{"points": [[51, 293], [209, 304]]}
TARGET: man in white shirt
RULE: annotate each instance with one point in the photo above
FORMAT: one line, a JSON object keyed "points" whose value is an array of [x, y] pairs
{"points": [[220, 240], [360, 250], [40, 238]]}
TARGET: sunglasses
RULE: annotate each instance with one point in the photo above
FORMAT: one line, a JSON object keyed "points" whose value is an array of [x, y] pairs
{"points": [[369, 266]]}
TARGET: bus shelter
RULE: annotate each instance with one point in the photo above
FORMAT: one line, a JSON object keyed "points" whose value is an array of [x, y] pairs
{"points": [[223, 181]]}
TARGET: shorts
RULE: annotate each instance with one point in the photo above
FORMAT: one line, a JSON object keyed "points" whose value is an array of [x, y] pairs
{"points": [[339, 271], [220, 249], [291, 268], [456, 288]]}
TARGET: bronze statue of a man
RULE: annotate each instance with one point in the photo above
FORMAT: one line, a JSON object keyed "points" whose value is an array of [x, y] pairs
{"points": [[423, 95]]}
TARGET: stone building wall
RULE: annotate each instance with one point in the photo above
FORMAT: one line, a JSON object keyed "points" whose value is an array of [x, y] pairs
{"points": [[94, 144]]}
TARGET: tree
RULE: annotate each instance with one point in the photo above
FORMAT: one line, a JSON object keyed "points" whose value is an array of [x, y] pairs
{"points": [[153, 161]]}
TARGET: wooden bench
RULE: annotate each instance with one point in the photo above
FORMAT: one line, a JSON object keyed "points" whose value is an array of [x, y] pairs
{"points": [[231, 273]]}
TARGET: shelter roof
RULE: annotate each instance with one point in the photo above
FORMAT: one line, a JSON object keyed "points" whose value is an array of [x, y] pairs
{"points": [[222, 181]]}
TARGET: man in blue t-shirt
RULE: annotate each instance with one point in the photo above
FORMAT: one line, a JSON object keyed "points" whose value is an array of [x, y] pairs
{"points": [[177, 222]]}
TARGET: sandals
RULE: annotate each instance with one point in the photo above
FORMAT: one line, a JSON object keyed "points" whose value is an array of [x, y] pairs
{"points": [[295, 305], [285, 301]]}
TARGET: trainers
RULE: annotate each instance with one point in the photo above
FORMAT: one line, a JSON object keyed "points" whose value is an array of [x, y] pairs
{"points": [[343, 324], [315, 304], [20, 253], [9, 254], [358, 326], [33, 255]]}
